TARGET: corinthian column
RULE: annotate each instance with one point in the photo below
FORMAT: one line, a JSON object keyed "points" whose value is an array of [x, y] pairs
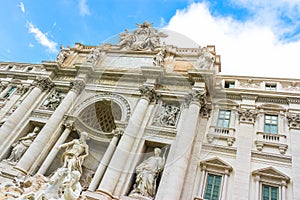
{"points": [[105, 160], [36, 148], [23, 108], [53, 153], [181, 149], [121, 155]]}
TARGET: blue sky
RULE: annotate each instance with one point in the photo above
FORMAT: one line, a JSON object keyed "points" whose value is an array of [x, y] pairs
{"points": [[261, 38]]}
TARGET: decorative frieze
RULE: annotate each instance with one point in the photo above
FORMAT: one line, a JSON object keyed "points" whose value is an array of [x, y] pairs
{"points": [[247, 116], [293, 120]]}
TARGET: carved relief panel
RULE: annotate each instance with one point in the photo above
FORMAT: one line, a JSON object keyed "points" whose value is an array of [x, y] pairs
{"points": [[167, 114]]}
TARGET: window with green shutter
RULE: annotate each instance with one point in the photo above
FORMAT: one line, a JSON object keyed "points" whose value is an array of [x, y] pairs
{"points": [[224, 118], [269, 192], [213, 185]]}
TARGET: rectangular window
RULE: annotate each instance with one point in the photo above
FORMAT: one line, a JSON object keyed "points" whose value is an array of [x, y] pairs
{"points": [[271, 124], [271, 86], [213, 186], [229, 84], [9, 92], [224, 118], [270, 192]]}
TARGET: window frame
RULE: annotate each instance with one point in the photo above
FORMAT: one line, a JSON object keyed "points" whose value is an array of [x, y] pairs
{"points": [[271, 125], [271, 86], [229, 84], [262, 184], [206, 183], [9, 92], [224, 118]]}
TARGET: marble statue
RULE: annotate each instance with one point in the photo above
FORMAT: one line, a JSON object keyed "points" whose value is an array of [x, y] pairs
{"points": [[158, 59], [63, 54], [147, 174], [93, 56], [206, 59], [76, 151], [21, 146]]}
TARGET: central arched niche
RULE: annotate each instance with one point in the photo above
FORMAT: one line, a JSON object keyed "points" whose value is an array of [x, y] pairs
{"points": [[101, 115]]}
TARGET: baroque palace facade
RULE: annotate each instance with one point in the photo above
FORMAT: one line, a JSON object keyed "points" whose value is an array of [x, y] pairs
{"points": [[146, 119]]}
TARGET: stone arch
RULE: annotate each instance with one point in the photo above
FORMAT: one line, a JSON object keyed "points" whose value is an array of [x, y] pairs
{"points": [[116, 98]]}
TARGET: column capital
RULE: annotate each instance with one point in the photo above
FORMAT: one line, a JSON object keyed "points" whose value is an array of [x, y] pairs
{"points": [[293, 120], [247, 115], [22, 89], [118, 132], [69, 123], [198, 97], [148, 92], [44, 83], [77, 86]]}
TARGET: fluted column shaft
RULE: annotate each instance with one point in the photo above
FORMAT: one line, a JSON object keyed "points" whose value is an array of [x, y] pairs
{"points": [[119, 159], [104, 161], [23, 108], [181, 150], [53, 153], [44, 136]]}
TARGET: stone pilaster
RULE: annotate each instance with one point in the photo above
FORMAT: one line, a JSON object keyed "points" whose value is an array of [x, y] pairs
{"points": [[24, 107], [119, 159], [36, 148], [294, 130], [246, 132], [180, 151]]}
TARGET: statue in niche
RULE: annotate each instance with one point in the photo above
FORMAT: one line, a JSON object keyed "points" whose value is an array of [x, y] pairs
{"points": [[147, 174], [159, 58], [53, 101], [76, 151], [168, 115], [63, 54], [206, 59], [21, 146]]}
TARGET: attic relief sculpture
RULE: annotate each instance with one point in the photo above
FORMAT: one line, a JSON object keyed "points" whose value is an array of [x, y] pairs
{"points": [[145, 37]]}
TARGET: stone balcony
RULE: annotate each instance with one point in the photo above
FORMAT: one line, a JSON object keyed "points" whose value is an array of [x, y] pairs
{"points": [[271, 140], [221, 133]]}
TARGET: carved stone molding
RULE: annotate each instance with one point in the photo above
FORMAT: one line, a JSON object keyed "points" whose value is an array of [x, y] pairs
{"points": [[247, 115], [69, 123], [77, 86], [293, 120], [44, 83], [149, 93]]}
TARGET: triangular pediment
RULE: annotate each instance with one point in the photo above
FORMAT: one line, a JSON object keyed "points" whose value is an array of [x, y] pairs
{"points": [[216, 162], [271, 172]]}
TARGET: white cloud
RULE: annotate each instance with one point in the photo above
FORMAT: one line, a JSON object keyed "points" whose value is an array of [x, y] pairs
{"points": [[42, 38], [250, 48], [31, 45], [83, 8], [22, 7]]}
